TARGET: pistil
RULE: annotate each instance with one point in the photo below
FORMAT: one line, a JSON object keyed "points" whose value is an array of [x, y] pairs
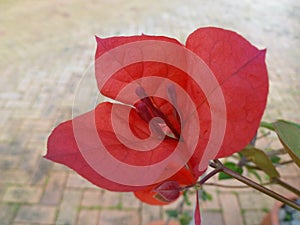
{"points": [[148, 109]]}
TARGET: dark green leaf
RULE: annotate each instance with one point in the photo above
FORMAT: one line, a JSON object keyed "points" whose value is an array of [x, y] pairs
{"points": [[185, 218], [232, 166], [204, 195], [289, 135], [275, 159], [172, 213], [259, 158], [186, 198]]}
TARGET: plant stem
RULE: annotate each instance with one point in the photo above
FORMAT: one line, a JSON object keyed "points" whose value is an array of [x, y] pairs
{"points": [[232, 186], [204, 179], [286, 185], [254, 185]]}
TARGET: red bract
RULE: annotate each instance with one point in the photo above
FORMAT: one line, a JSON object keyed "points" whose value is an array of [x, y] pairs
{"points": [[164, 132]]}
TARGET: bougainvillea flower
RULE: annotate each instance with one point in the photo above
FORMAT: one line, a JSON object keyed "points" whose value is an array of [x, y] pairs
{"points": [[176, 107]]}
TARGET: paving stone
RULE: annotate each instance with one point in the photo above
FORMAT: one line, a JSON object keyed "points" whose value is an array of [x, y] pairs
{"points": [[289, 170], [76, 181], [8, 162], [14, 177], [212, 218], [253, 217], [212, 204], [54, 189], [110, 199], [151, 213], [295, 182], [255, 200], [114, 217], [29, 161], [23, 194], [7, 213], [68, 209], [41, 67], [41, 171], [36, 214], [231, 209], [130, 201], [90, 217], [92, 198]]}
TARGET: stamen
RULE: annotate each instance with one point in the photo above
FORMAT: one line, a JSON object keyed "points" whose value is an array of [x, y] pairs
{"points": [[155, 112], [142, 109], [140, 91]]}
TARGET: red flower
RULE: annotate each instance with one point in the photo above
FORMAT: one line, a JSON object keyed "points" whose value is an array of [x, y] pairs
{"points": [[209, 94]]}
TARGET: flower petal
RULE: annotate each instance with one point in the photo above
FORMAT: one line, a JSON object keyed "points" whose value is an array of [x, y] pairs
{"points": [[70, 139], [62, 148], [126, 74], [149, 195], [241, 72]]}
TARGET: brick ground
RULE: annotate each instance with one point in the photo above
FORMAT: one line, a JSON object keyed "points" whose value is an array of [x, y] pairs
{"points": [[46, 47]]}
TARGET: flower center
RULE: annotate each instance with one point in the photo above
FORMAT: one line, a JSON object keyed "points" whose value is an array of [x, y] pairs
{"points": [[148, 111]]}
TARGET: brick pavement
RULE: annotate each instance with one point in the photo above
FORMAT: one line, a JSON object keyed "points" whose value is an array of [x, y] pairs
{"points": [[46, 47]]}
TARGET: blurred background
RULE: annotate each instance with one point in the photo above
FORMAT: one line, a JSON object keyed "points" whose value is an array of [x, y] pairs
{"points": [[45, 49]]}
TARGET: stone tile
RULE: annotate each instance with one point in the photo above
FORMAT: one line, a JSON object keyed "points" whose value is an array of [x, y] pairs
{"points": [[90, 217], [36, 214], [115, 217], [14, 177], [76, 181], [92, 198], [29, 160], [110, 199], [253, 217], [39, 71], [255, 200], [231, 209], [41, 171], [150, 213], [294, 182], [23, 194], [212, 218], [211, 204], [68, 209], [130, 201], [290, 170], [7, 213], [8, 162], [54, 189]]}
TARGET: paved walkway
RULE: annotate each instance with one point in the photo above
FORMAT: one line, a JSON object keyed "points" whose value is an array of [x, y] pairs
{"points": [[45, 48]]}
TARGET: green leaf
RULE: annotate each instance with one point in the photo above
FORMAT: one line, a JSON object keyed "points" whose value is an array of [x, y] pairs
{"points": [[259, 158], [185, 218], [255, 173], [275, 158], [267, 125], [204, 195], [186, 198], [289, 135], [232, 166], [172, 213]]}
